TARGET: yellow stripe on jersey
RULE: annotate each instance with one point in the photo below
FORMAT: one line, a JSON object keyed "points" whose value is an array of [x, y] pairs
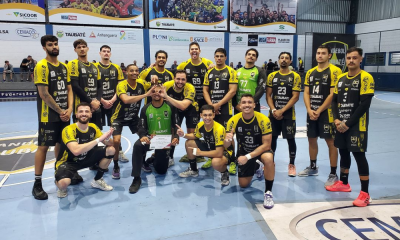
{"points": [[44, 116], [335, 73], [116, 112], [367, 84], [330, 114], [307, 79], [270, 78], [296, 83], [219, 134], [73, 68], [363, 123], [62, 160], [41, 73], [233, 75]]}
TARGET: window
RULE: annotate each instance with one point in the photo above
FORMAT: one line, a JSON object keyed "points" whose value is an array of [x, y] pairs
{"points": [[394, 58], [375, 59]]}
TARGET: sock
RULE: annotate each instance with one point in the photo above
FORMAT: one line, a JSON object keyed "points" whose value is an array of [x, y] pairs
{"points": [[291, 160], [193, 164], [364, 185], [344, 177], [333, 170], [38, 178], [99, 174], [268, 185], [135, 179], [313, 164], [116, 164]]}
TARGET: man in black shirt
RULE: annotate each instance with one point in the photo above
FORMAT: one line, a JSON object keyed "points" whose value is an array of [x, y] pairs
{"points": [[24, 67]]}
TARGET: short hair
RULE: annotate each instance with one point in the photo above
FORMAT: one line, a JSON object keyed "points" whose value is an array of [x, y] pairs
{"points": [[246, 95], [288, 53], [220, 50], [206, 107], [80, 42], [82, 104], [105, 46], [161, 51], [180, 71], [325, 46], [252, 49], [194, 43], [130, 65], [6, 61], [48, 38], [355, 49]]}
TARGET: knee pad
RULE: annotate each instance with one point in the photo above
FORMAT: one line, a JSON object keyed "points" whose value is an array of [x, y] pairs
{"points": [[110, 156]]}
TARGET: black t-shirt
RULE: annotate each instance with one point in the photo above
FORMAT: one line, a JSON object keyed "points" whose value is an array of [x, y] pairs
{"points": [[270, 66], [25, 61]]}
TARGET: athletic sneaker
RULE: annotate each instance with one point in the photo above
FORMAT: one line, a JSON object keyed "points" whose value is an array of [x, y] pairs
{"points": [[331, 180], [134, 188], [189, 173], [363, 200], [207, 164], [225, 178], [101, 184], [268, 200], [115, 173], [308, 171], [184, 159], [122, 157], [62, 193], [38, 192], [260, 170], [146, 168], [338, 186], [232, 168], [171, 162], [292, 170]]}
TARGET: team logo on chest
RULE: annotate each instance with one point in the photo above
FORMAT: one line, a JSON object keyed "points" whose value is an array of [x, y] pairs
{"points": [[166, 78], [139, 91], [150, 115], [203, 71], [91, 135], [166, 113], [112, 72], [256, 129], [252, 74], [224, 75], [325, 78], [290, 79], [355, 83]]}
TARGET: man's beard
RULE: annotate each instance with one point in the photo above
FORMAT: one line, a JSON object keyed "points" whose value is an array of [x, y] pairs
{"points": [[53, 54], [84, 122]]}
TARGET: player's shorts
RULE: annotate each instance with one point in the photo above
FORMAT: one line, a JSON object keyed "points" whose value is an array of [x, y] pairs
{"points": [[68, 169], [50, 133], [285, 126], [248, 169], [201, 102], [222, 119], [104, 113], [191, 115], [353, 141], [118, 126], [203, 146], [320, 128]]}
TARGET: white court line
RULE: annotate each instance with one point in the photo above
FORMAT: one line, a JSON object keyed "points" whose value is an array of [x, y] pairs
{"points": [[376, 97], [129, 144], [4, 180], [18, 132]]}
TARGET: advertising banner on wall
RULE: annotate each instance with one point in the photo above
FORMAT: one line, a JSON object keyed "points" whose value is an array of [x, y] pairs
{"points": [[18, 32], [22, 11], [97, 12], [263, 16], [339, 44], [181, 38], [193, 15], [261, 41]]}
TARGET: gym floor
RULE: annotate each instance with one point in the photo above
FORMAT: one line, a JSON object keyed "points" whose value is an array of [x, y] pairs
{"points": [[169, 207]]}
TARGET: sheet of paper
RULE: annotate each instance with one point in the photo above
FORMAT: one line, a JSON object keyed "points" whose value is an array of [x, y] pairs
{"points": [[160, 142]]}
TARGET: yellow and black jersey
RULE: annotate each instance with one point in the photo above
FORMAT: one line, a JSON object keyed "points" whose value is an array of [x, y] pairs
{"points": [[214, 137], [188, 92], [72, 133], [320, 84], [163, 77], [249, 133], [349, 91], [110, 76], [88, 77], [195, 74], [56, 78], [283, 86], [128, 112], [218, 81]]}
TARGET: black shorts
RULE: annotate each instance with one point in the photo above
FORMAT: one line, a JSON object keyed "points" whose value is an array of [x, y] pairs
{"points": [[68, 169], [222, 119], [322, 127], [104, 113], [201, 102], [133, 126], [203, 146], [248, 169], [50, 133], [191, 115], [353, 141], [285, 126]]}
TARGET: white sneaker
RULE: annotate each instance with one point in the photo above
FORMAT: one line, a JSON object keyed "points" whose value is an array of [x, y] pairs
{"points": [[171, 162], [268, 200], [260, 170], [101, 184], [122, 157], [189, 173], [62, 193]]}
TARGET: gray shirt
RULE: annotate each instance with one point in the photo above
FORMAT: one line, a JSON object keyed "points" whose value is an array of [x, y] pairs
{"points": [[8, 68]]}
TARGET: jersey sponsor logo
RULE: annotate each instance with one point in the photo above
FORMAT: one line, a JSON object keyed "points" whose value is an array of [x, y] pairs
{"points": [[150, 115], [83, 70], [210, 76], [239, 129], [311, 79], [188, 71], [275, 80], [340, 84], [52, 74]]}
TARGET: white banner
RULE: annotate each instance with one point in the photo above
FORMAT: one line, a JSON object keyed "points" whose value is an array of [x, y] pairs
{"points": [[21, 32], [99, 35], [179, 38], [21, 12], [171, 23]]}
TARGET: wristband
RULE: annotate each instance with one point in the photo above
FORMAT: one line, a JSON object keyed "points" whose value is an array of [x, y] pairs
{"points": [[194, 151], [97, 140], [248, 156], [273, 110]]}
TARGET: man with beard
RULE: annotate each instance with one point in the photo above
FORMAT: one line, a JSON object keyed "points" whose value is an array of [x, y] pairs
{"points": [[283, 90], [85, 79], [80, 150], [156, 118], [253, 134], [54, 106], [130, 93]]}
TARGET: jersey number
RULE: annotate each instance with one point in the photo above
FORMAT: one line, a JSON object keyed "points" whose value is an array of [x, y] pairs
{"points": [[243, 83], [60, 85], [106, 85], [248, 140], [282, 90], [196, 81], [216, 85], [91, 82], [316, 89]]}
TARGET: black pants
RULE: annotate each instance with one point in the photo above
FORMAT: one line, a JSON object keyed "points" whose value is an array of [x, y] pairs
{"points": [[139, 154]]}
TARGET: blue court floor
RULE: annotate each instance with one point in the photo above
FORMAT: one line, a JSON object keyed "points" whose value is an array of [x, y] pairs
{"points": [[169, 207]]}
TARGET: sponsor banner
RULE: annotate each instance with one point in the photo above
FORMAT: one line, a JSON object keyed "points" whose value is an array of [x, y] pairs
{"points": [[23, 12], [101, 12], [179, 38], [195, 15], [339, 44], [17, 94], [261, 41], [269, 17], [18, 32], [100, 35]]}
